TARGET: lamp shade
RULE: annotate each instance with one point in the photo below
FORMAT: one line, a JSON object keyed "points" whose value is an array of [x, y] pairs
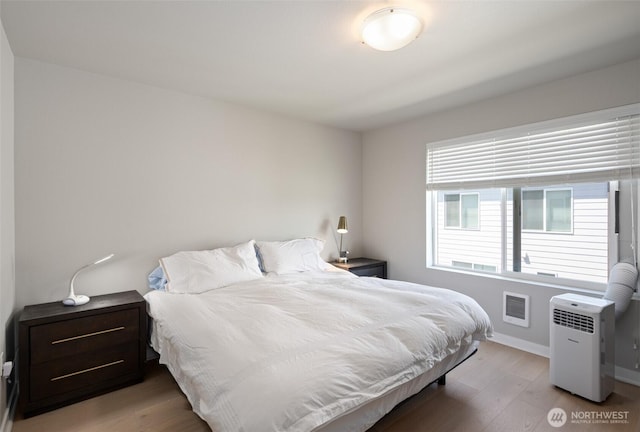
{"points": [[342, 225], [391, 28]]}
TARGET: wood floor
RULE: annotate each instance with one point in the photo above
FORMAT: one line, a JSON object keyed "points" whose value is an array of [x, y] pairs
{"points": [[498, 389]]}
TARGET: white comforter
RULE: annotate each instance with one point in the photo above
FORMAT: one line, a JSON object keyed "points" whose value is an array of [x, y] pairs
{"points": [[290, 353]]}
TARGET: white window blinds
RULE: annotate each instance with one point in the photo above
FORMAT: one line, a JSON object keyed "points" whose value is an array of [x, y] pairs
{"points": [[599, 146]]}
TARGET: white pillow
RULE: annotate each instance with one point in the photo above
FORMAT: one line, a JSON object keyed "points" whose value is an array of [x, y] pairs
{"points": [[193, 272], [293, 256]]}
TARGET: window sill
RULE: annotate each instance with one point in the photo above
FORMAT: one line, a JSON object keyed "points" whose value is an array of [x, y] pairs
{"points": [[579, 290]]}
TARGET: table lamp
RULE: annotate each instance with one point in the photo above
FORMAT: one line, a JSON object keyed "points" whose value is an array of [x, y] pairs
{"points": [[342, 229], [77, 300]]}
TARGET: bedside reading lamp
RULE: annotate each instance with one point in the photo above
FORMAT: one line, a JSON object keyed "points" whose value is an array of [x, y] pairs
{"points": [[77, 300], [342, 229]]}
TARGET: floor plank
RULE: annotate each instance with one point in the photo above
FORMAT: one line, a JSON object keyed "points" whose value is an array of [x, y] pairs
{"points": [[500, 389]]}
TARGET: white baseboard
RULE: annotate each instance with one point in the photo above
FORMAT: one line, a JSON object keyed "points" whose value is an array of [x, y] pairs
{"points": [[7, 418], [627, 376], [622, 374], [521, 344]]}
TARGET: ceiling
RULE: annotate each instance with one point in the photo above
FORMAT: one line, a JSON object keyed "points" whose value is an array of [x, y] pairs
{"points": [[304, 58]]}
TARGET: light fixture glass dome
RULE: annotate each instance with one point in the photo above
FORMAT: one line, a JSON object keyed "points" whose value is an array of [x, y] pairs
{"points": [[391, 28]]}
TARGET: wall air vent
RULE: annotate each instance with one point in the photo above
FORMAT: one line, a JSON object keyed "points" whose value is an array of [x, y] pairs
{"points": [[573, 320], [515, 309]]}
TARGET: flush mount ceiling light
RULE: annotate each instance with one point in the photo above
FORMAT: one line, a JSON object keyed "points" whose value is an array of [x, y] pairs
{"points": [[391, 28]]}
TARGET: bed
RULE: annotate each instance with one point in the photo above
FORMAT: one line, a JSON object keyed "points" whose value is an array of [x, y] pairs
{"points": [[281, 341]]}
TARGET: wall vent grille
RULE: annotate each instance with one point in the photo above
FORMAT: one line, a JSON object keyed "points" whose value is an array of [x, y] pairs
{"points": [[515, 309]]}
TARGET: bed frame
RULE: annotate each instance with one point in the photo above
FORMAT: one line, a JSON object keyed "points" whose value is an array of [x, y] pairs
{"points": [[442, 379]]}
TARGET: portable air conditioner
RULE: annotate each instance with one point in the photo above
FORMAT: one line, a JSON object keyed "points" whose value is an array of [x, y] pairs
{"points": [[582, 345]]}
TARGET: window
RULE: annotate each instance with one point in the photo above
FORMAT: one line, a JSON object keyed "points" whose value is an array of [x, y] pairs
{"points": [[461, 210], [533, 210], [557, 210], [549, 210], [570, 236], [452, 210], [484, 267], [544, 194], [474, 266]]}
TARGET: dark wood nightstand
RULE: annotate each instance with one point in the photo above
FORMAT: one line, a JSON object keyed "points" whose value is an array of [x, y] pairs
{"points": [[71, 353], [365, 267]]}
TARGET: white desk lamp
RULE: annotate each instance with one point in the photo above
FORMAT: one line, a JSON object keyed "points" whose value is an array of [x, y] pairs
{"points": [[77, 300]]}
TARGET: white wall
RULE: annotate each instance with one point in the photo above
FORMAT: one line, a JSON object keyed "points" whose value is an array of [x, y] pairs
{"points": [[7, 285], [394, 190], [109, 166]]}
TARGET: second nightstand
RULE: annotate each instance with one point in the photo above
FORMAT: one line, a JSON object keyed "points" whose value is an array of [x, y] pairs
{"points": [[365, 267]]}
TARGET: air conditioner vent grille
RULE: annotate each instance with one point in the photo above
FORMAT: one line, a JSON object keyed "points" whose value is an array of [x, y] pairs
{"points": [[583, 323]]}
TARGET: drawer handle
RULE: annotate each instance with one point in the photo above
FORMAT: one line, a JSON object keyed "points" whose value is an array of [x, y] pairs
{"points": [[87, 370], [87, 335]]}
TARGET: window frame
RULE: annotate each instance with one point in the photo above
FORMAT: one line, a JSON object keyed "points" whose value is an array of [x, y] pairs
{"points": [[502, 271]]}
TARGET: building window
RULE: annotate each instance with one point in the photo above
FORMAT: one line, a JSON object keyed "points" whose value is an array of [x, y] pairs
{"points": [[544, 193], [461, 210], [533, 210], [485, 268], [474, 266], [549, 210], [452, 210]]}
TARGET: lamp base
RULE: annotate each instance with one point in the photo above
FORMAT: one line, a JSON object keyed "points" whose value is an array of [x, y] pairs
{"points": [[76, 300], [342, 260]]}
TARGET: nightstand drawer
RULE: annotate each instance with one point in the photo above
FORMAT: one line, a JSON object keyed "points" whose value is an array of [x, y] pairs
{"points": [[87, 370], [80, 335], [377, 271]]}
